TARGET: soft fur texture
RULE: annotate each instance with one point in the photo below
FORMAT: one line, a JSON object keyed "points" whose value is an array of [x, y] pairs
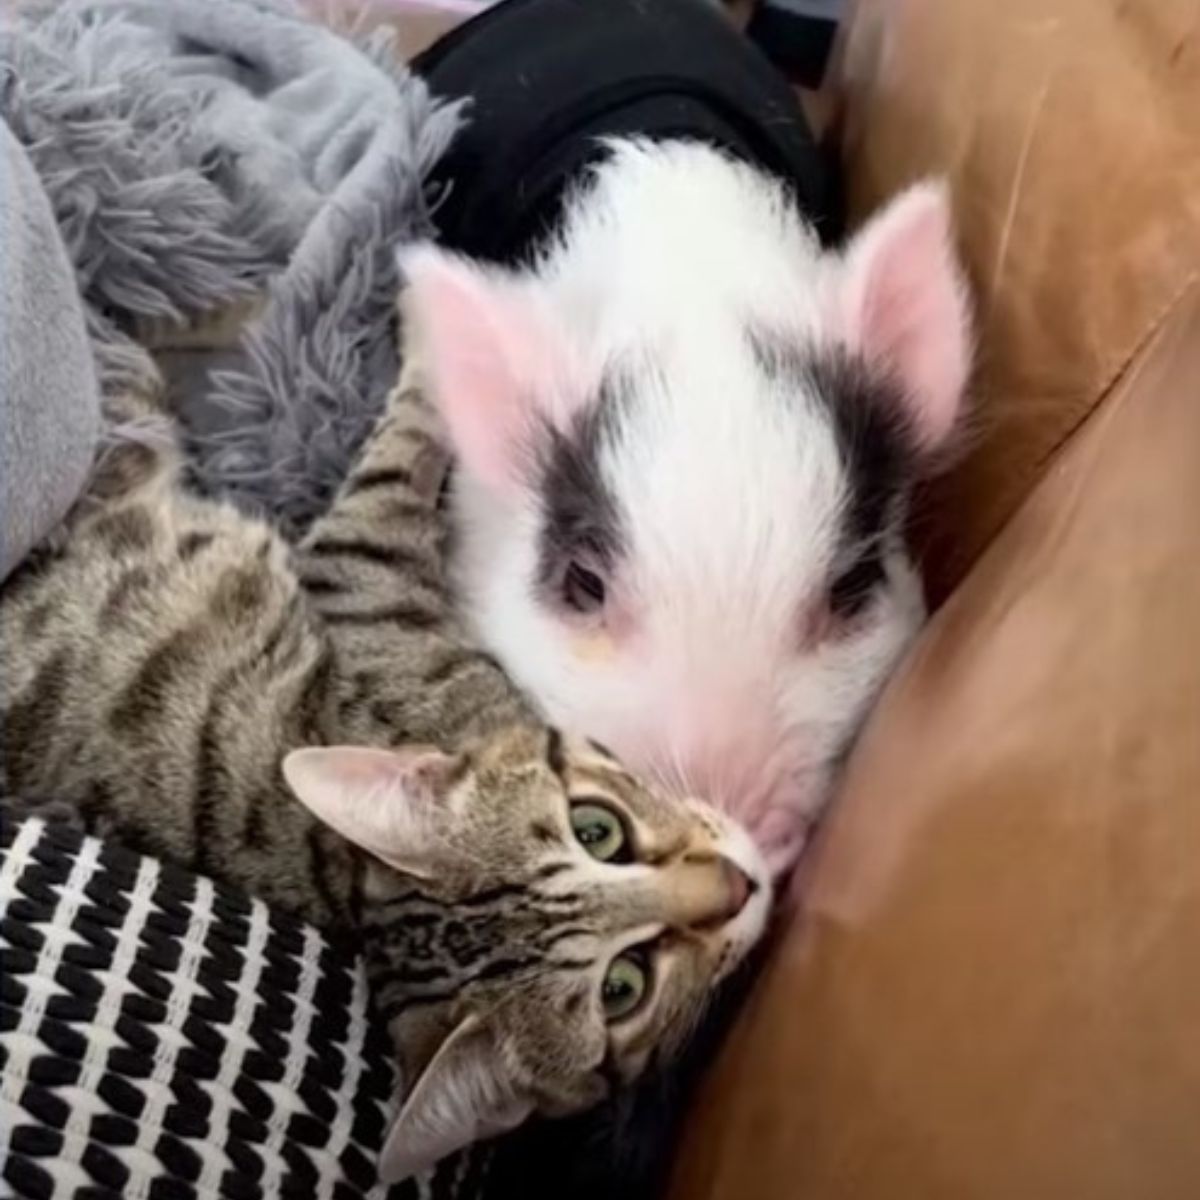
{"points": [[171, 654], [751, 383], [688, 400]]}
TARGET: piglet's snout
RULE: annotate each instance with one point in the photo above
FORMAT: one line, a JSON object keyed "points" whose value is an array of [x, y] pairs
{"points": [[727, 740], [743, 780], [707, 890]]}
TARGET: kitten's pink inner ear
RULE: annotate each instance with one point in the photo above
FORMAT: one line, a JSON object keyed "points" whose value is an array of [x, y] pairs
{"points": [[385, 801], [905, 306], [462, 1096], [482, 354]]}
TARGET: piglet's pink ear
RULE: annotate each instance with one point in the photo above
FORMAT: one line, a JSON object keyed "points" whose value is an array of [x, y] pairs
{"points": [[904, 305], [480, 351]]}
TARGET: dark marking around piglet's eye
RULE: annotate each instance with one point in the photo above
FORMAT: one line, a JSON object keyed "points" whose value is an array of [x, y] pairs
{"points": [[581, 536], [853, 589], [583, 590]]}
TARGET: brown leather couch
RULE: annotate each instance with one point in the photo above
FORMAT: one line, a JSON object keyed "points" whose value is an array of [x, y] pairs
{"points": [[990, 989]]}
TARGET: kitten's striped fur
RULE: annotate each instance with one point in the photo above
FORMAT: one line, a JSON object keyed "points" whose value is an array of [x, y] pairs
{"points": [[164, 657]]}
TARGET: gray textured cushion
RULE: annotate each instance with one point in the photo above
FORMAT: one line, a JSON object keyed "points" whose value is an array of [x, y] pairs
{"points": [[49, 410]]}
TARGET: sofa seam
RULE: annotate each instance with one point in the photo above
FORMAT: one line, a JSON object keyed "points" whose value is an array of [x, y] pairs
{"points": [[1037, 472]]}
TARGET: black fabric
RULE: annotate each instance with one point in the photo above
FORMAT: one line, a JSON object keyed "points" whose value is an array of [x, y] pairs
{"points": [[796, 35], [547, 78]]}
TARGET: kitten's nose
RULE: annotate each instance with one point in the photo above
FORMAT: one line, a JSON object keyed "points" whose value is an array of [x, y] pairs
{"points": [[704, 891], [738, 885]]}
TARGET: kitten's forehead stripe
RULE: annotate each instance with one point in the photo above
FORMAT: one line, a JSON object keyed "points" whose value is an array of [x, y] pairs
{"points": [[380, 477], [555, 757], [603, 751], [607, 780], [543, 831]]}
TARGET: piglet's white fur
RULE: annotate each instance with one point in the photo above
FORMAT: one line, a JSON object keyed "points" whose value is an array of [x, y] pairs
{"points": [[714, 661]]}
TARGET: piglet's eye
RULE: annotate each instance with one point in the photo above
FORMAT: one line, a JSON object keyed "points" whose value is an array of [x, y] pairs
{"points": [[852, 590], [583, 590]]}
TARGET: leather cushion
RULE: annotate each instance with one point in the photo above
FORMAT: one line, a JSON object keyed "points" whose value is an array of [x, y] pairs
{"points": [[1070, 130], [992, 991]]}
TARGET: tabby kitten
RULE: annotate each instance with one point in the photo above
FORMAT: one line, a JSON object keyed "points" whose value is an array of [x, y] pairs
{"points": [[536, 923]]}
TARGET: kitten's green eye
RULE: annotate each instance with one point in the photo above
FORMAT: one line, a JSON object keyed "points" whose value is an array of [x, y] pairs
{"points": [[625, 986], [600, 832]]}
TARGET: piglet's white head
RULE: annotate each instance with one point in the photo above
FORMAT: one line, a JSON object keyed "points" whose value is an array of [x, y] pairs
{"points": [[686, 437]]}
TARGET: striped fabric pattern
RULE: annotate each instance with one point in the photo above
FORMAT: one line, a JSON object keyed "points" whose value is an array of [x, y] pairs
{"points": [[163, 1038]]}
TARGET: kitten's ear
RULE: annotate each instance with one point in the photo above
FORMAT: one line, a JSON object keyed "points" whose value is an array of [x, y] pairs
{"points": [[460, 1097], [483, 354], [386, 801], [903, 304]]}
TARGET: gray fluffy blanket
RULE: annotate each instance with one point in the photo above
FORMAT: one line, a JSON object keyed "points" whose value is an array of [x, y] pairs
{"points": [[209, 157]]}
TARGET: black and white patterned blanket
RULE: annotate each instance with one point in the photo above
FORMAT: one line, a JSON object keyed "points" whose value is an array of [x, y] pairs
{"points": [[165, 1038]]}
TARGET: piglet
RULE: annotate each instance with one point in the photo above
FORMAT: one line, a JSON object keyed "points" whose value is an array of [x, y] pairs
{"points": [[686, 437]]}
